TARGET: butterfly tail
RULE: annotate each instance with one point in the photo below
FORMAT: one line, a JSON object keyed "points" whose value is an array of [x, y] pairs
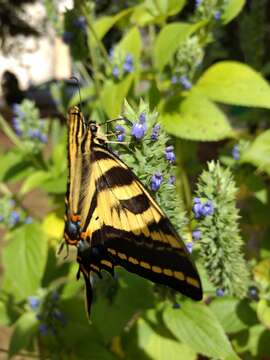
{"points": [[89, 293]]}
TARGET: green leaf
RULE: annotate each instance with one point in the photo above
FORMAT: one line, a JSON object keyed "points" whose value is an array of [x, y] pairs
{"points": [[197, 118], [258, 153], [196, 326], [235, 83], [231, 9], [263, 311], [113, 95], [34, 180], [168, 41], [159, 347], [233, 314], [261, 272], [14, 166], [24, 260], [24, 331], [156, 11], [105, 23]]}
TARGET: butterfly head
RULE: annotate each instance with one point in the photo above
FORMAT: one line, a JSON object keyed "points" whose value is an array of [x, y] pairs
{"points": [[96, 133]]}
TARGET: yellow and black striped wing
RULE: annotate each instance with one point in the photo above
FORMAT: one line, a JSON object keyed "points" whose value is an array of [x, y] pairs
{"points": [[123, 225]]}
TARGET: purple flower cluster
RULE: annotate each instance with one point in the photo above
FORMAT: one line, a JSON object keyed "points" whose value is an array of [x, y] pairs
{"points": [[139, 128], [126, 67], [120, 133], [169, 154], [14, 218], [80, 23], [128, 64], [220, 292], [196, 234], [51, 316], [235, 152], [171, 180], [67, 37], [202, 210], [156, 181], [182, 80], [155, 132]]}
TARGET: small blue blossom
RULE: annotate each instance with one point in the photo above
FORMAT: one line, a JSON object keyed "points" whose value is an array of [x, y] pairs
{"points": [[128, 64], [16, 123], [169, 154], [176, 306], [185, 82], [207, 208], [198, 3], [115, 72], [235, 152], [111, 53], [43, 329], [220, 292], [217, 15], [142, 118], [33, 302], [156, 181], [196, 234], [43, 138], [67, 37], [171, 180], [80, 23], [14, 218], [28, 220], [1, 218], [189, 246], [196, 200], [120, 131], [155, 132], [16, 108], [174, 80], [138, 130]]}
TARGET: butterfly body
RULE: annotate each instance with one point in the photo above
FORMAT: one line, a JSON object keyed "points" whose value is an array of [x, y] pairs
{"points": [[114, 221]]}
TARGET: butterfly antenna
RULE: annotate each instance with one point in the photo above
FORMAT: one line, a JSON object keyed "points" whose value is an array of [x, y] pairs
{"points": [[79, 88]]}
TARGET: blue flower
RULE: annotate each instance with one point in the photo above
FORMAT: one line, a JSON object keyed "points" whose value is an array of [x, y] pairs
{"points": [[171, 180], [138, 130], [169, 154], [189, 246], [120, 132], [176, 306], [28, 220], [67, 37], [128, 64], [14, 218], [111, 53], [43, 329], [217, 15], [16, 108], [200, 209], [235, 152], [198, 3], [196, 234], [174, 80], [55, 295], [185, 82], [142, 118], [80, 23], [43, 138], [115, 72], [33, 302], [1, 218], [220, 292], [207, 208], [156, 181], [16, 122], [155, 132]]}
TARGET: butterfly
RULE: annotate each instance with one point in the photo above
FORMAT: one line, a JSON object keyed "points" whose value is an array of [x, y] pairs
{"points": [[114, 221]]}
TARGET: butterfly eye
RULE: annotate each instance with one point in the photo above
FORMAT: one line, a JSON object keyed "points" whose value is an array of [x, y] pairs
{"points": [[93, 128]]}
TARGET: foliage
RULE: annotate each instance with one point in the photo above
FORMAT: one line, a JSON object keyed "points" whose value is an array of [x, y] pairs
{"points": [[165, 53]]}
